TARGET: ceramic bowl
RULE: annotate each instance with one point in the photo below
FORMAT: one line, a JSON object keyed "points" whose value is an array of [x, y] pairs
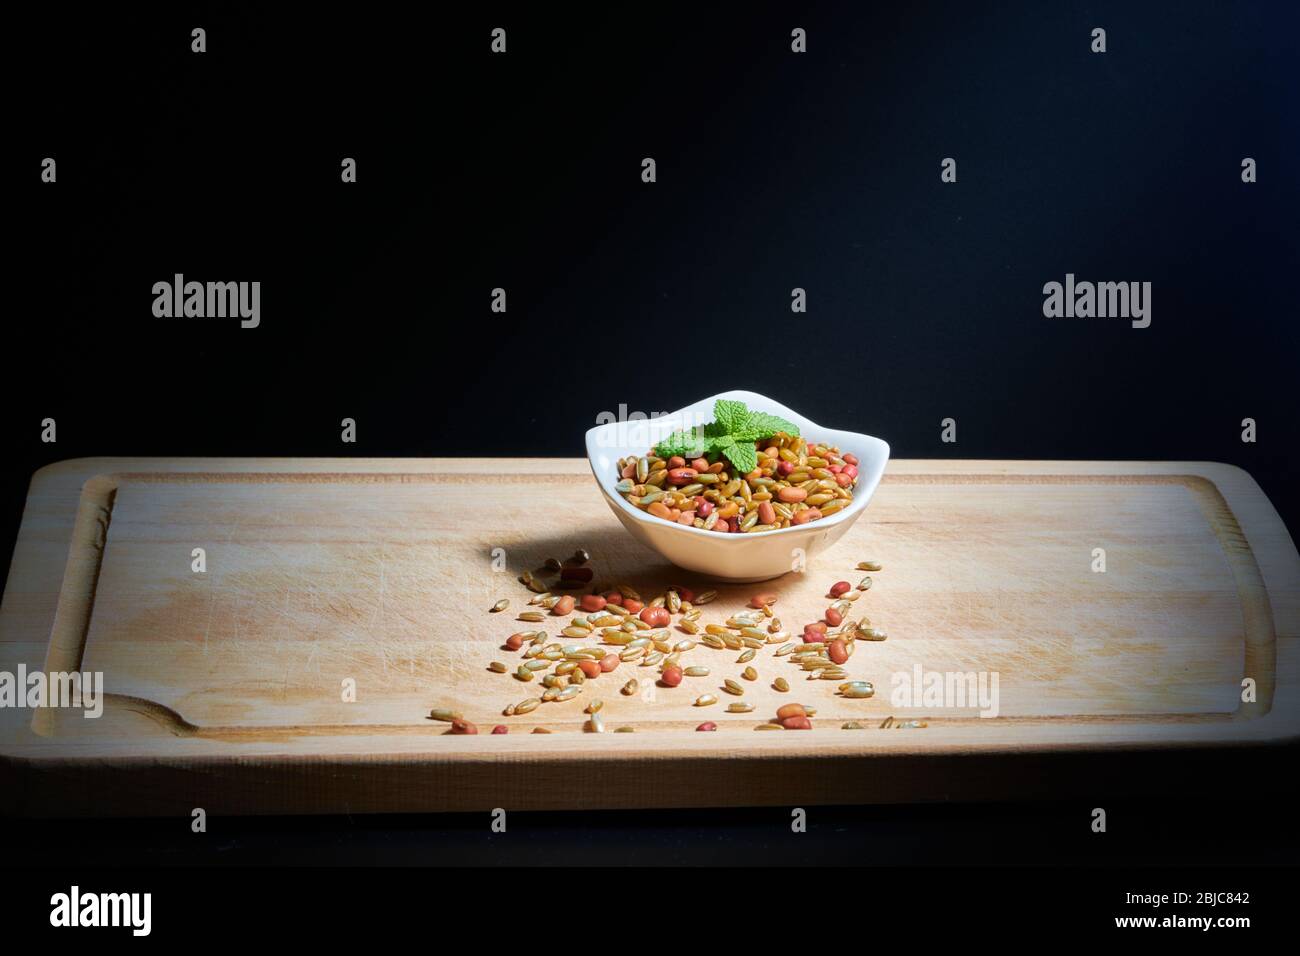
{"points": [[730, 557]]}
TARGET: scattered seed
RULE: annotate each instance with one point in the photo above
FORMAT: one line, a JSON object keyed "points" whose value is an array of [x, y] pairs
{"points": [[696, 671], [630, 688], [704, 597], [624, 730], [853, 725], [868, 566], [865, 584], [497, 667], [704, 700], [781, 684], [707, 725], [596, 724], [732, 687], [526, 706], [769, 727], [439, 713], [532, 616], [749, 674], [739, 708], [540, 730], [500, 605], [553, 564], [459, 726], [746, 656]]}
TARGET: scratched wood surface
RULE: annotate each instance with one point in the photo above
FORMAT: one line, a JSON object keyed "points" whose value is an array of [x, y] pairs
{"points": [[380, 574]]}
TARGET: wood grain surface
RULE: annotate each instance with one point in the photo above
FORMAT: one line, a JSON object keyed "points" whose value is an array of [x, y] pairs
{"points": [[225, 686]]}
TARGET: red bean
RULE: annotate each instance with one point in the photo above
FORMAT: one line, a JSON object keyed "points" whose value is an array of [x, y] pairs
{"points": [[629, 471], [660, 510], [834, 469], [763, 597], [803, 517], [686, 518], [766, 513], [515, 641], [851, 470], [672, 675], [592, 603], [783, 468], [818, 626], [632, 605], [614, 597], [574, 572], [797, 723], [840, 588], [500, 729], [700, 464], [843, 480], [462, 727], [686, 594], [563, 606], [833, 617], [608, 663], [851, 459], [656, 616], [837, 652], [681, 476], [589, 668], [791, 495], [812, 637], [790, 710], [707, 725], [704, 509], [677, 461]]}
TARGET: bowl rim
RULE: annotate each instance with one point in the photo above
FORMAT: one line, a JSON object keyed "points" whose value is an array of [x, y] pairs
{"points": [[871, 445]]}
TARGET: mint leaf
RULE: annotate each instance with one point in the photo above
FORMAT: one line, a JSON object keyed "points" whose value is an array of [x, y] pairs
{"points": [[762, 425], [687, 443], [730, 415], [743, 455]]}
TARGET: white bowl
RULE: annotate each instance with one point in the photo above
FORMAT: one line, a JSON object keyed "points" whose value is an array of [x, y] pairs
{"points": [[757, 556]]}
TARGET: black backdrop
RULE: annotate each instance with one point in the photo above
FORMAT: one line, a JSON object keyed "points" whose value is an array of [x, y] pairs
{"points": [[775, 170]]}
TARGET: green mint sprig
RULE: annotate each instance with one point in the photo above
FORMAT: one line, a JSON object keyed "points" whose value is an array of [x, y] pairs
{"points": [[731, 435]]}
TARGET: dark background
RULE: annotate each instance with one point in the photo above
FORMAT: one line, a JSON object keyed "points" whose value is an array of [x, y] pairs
{"points": [[775, 170]]}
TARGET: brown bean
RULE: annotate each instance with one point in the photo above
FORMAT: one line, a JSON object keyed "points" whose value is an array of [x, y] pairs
{"points": [[516, 641], [681, 476], [790, 710], [656, 616], [791, 495], [573, 572], [833, 617], [591, 668], [608, 663], [593, 602], [837, 652], [563, 606], [840, 588], [766, 513], [672, 675], [462, 727]]}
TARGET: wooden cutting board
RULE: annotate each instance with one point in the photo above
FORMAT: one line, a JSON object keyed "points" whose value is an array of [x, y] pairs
{"points": [[225, 687]]}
